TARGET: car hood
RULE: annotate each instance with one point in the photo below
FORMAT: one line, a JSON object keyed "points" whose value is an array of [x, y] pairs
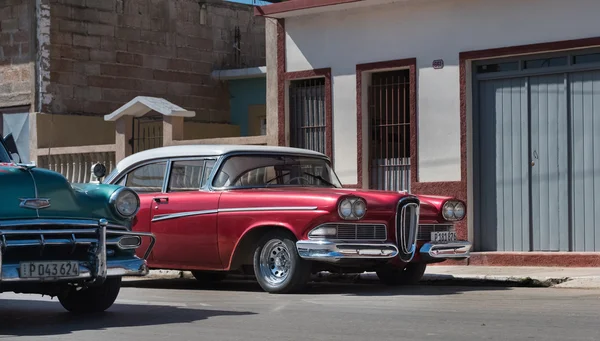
{"points": [[66, 202], [377, 200]]}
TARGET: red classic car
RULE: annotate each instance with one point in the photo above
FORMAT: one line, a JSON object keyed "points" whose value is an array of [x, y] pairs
{"points": [[282, 214]]}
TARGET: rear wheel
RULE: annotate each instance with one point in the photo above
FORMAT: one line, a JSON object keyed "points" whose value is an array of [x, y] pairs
{"points": [[92, 299], [277, 265], [410, 275]]}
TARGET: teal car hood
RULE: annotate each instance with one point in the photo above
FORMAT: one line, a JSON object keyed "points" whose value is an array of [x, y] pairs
{"points": [[67, 201]]}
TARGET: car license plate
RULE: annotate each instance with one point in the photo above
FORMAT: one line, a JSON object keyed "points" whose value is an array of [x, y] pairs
{"points": [[442, 237], [49, 269]]}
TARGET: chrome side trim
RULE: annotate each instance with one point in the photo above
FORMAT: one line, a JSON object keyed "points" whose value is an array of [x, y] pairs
{"points": [[329, 251], [276, 208], [162, 217]]}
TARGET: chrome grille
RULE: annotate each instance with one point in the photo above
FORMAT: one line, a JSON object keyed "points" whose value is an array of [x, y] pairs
{"points": [[407, 226], [359, 231], [426, 229]]}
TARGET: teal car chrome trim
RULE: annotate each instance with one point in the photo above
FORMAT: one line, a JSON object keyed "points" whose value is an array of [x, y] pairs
{"points": [[161, 217], [56, 222], [96, 267], [116, 268], [34, 203]]}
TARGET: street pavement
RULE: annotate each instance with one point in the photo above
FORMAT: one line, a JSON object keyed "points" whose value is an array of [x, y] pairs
{"points": [[350, 310]]}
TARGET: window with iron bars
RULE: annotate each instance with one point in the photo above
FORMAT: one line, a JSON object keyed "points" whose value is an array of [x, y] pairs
{"points": [[307, 114], [389, 128]]}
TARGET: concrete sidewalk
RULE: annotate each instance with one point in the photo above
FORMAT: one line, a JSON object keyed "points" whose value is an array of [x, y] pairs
{"points": [[473, 275], [557, 277]]}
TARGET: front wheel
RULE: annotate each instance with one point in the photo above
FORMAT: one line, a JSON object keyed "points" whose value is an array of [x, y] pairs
{"points": [[93, 299], [410, 275], [277, 265]]}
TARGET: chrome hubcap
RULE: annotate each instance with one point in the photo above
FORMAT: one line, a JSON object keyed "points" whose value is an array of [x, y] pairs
{"points": [[275, 262]]}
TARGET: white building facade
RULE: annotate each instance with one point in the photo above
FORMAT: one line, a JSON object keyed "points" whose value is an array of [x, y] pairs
{"points": [[494, 102]]}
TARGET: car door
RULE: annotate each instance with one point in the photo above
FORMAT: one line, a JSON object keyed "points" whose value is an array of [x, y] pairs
{"points": [[184, 218], [147, 181]]}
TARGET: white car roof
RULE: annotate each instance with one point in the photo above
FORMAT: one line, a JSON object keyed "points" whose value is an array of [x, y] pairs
{"points": [[196, 150]]}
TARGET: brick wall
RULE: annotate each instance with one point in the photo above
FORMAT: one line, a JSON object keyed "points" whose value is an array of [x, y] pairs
{"points": [[103, 53], [15, 52]]}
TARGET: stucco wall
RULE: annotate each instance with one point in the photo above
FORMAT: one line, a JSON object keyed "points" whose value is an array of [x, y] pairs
{"points": [[243, 94], [426, 31]]}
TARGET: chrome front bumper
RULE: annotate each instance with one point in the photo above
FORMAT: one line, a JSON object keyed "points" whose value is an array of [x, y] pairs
{"points": [[95, 269], [326, 250], [330, 251], [450, 250]]}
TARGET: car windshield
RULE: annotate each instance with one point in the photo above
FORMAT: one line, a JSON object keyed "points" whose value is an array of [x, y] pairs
{"points": [[4, 157], [275, 171]]}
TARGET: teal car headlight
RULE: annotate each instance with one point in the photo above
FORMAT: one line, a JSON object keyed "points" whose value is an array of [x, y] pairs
{"points": [[125, 202]]}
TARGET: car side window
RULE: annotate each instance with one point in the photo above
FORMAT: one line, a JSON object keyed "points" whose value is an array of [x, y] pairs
{"points": [[186, 176], [148, 178], [208, 167]]}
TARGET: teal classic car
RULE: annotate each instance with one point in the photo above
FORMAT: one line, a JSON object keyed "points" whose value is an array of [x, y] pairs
{"points": [[70, 241]]}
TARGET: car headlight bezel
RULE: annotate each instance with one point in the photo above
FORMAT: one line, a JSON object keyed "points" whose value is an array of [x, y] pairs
{"points": [[116, 199], [358, 208], [454, 210]]}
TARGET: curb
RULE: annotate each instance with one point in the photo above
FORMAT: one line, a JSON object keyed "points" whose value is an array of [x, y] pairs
{"points": [[431, 279]]}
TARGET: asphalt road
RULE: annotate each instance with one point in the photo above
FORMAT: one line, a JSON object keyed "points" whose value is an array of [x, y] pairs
{"points": [[183, 310]]}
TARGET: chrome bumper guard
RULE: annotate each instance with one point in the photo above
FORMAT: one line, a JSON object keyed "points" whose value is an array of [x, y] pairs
{"points": [[95, 270], [330, 251], [325, 250], [450, 250]]}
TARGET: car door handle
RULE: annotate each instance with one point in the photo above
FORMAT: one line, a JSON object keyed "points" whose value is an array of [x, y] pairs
{"points": [[160, 199]]}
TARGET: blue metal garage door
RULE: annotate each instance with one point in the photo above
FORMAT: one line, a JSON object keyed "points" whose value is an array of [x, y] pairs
{"points": [[536, 136]]}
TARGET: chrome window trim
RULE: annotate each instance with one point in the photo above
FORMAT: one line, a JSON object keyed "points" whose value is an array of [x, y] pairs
{"points": [[222, 159], [168, 161]]}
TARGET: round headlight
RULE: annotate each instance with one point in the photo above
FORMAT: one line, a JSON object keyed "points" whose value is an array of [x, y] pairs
{"points": [[453, 210], [360, 208], [126, 202], [345, 209], [352, 208], [459, 210]]}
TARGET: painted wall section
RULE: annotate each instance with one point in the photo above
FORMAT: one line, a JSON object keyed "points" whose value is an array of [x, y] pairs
{"points": [[244, 93], [432, 30]]}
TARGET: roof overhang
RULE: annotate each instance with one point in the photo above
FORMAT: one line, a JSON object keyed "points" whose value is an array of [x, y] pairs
{"points": [[141, 105], [233, 74], [299, 7], [296, 8]]}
